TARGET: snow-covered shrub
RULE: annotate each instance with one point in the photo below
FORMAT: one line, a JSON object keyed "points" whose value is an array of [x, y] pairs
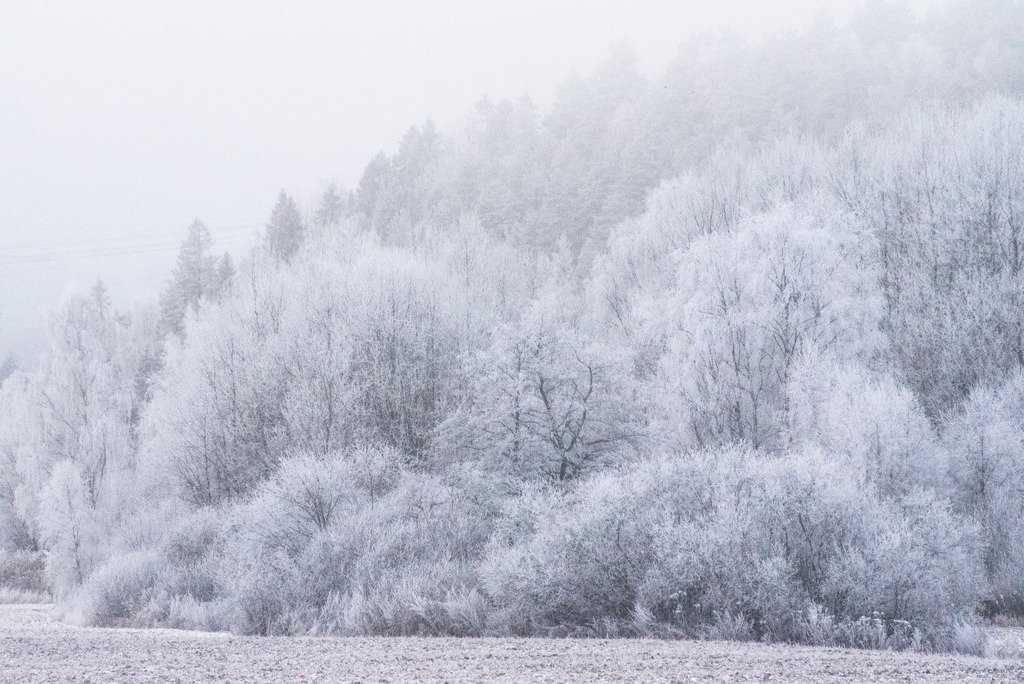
{"points": [[119, 592], [416, 606], [185, 612], [569, 560], [916, 562], [186, 591], [732, 541], [727, 627], [411, 560], [14, 596], [749, 545], [780, 534], [357, 545], [24, 571], [167, 577], [284, 561], [265, 595], [307, 494], [191, 556], [968, 637]]}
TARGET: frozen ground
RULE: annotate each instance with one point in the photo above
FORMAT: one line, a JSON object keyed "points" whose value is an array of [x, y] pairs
{"points": [[33, 647]]}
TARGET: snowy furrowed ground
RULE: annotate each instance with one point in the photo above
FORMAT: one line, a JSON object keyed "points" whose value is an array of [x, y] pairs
{"points": [[35, 647]]}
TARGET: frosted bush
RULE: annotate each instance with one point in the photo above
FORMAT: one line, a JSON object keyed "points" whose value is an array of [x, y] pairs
{"points": [[785, 548], [569, 559], [396, 556], [14, 596], [24, 571], [917, 562], [119, 592], [728, 627], [969, 638]]}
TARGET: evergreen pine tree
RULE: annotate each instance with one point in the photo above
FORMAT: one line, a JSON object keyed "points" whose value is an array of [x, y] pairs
{"points": [[285, 232], [195, 277]]}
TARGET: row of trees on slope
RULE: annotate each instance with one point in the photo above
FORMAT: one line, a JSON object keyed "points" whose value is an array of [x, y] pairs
{"points": [[610, 138], [795, 417]]}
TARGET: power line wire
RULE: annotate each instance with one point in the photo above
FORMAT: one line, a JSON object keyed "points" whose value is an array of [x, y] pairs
{"points": [[136, 237], [101, 253]]}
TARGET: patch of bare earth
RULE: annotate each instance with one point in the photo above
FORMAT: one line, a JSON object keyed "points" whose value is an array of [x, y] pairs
{"points": [[34, 648]]}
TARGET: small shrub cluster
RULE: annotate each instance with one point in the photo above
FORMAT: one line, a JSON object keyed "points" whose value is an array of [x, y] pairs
{"points": [[23, 577], [10, 596]]}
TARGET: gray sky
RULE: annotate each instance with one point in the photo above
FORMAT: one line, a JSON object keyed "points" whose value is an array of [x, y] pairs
{"points": [[121, 122]]}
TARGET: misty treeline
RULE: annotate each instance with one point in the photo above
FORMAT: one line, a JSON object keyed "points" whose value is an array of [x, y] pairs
{"points": [[738, 353]]}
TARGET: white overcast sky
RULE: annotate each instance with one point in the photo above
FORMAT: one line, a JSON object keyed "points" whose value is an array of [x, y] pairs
{"points": [[120, 122]]}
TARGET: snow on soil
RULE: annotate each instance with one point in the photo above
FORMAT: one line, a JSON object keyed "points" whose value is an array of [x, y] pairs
{"points": [[35, 647]]}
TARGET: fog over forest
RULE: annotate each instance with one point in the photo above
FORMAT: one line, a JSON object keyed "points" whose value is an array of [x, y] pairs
{"points": [[121, 122], [730, 351]]}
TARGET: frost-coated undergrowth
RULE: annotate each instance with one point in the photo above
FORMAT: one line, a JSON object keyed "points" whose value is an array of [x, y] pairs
{"points": [[498, 392]]}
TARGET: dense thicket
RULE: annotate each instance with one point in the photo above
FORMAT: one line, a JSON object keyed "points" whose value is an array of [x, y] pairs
{"points": [[509, 386]]}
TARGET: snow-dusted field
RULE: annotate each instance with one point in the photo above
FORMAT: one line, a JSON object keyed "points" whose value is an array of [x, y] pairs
{"points": [[34, 647]]}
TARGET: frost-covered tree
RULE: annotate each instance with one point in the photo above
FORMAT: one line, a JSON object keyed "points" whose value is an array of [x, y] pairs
{"points": [[197, 277], [18, 425], [548, 405], [69, 431], [985, 446], [404, 352], [873, 424], [286, 229], [744, 307], [334, 206], [8, 367], [215, 426]]}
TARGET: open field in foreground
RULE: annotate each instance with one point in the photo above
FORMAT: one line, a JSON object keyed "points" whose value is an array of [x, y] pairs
{"points": [[34, 647]]}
